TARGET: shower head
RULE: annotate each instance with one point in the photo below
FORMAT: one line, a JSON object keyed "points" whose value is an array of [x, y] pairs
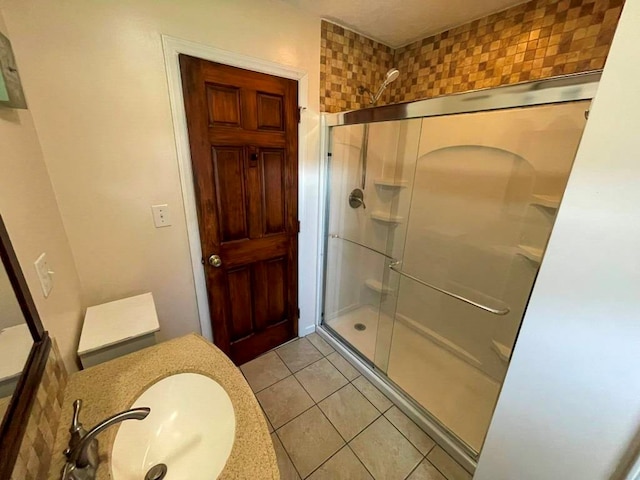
{"points": [[391, 75]]}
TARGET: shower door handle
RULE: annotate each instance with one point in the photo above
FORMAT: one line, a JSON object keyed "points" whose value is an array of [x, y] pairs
{"points": [[215, 261]]}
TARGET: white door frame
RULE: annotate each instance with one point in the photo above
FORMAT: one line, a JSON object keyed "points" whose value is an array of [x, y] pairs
{"points": [[173, 47]]}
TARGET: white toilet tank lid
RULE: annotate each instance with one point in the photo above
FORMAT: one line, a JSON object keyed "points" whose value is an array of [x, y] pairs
{"points": [[114, 322]]}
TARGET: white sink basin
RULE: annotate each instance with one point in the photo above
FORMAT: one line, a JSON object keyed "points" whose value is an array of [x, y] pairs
{"points": [[191, 429]]}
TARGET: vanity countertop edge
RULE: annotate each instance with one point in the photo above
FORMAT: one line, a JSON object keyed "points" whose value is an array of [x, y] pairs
{"points": [[113, 386]]}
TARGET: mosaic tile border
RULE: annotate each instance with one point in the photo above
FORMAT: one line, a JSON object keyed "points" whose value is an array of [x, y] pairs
{"points": [[36, 448], [534, 40]]}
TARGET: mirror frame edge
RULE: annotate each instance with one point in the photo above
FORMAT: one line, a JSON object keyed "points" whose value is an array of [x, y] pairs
{"points": [[14, 423]]}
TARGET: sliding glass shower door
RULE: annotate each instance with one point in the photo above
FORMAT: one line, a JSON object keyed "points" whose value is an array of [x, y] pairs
{"points": [[428, 277]]}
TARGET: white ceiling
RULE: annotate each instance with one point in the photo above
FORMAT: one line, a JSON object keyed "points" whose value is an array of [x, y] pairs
{"points": [[399, 22]]}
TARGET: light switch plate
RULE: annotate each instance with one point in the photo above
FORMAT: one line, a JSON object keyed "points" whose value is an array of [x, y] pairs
{"points": [[44, 274], [161, 216]]}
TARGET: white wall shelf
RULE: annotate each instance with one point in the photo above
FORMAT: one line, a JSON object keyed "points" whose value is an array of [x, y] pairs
{"points": [[547, 201], [386, 218], [503, 352], [530, 253], [377, 286], [390, 183]]}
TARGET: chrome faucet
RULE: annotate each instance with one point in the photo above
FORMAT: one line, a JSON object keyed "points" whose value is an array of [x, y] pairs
{"points": [[82, 453]]}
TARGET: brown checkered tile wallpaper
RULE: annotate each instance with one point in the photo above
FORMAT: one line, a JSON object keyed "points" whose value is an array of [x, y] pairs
{"points": [[36, 449], [534, 40], [347, 61]]}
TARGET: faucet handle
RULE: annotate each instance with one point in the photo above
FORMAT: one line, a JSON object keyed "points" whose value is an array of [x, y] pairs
{"points": [[76, 429], [75, 422]]}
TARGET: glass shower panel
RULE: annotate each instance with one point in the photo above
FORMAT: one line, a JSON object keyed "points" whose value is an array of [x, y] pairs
{"points": [[362, 238], [485, 193]]}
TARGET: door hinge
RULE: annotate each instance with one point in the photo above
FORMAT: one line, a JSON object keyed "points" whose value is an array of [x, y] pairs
{"points": [[298, 311], [298, 224], [300, 109]]}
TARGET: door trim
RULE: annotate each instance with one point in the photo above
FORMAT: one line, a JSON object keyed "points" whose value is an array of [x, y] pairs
{"points": [[172, 48]]}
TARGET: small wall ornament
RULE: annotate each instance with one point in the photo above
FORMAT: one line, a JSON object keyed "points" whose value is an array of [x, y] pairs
{"points": [[11, 93]]}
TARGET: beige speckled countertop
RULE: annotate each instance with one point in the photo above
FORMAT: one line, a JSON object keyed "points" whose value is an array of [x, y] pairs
{"points": [[113, 386]]}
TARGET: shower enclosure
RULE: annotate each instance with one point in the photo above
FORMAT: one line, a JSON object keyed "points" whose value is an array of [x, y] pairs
{"points": [[427, 278]]}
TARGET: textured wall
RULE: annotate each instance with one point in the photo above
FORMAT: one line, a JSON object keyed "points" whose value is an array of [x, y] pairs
{"points": [[347, 61], [36, 449], [534, 40]]}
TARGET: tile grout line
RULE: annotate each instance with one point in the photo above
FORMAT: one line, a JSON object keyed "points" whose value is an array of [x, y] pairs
{"points": [[301, 413], [361, 462], [315, 404], [415, 468], [407, 438], [287, 454], [333, 454], [441, 472], [346, 443]]}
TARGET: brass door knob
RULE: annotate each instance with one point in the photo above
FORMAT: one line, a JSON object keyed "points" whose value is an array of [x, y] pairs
{"points": [[215, 261]]}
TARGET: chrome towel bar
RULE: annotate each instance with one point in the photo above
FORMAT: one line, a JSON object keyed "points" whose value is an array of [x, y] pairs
{"points": [[486, 308], [333, 235]]}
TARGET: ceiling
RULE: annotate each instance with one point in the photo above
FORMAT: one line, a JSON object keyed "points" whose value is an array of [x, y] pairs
{"points": [[399, 22]]}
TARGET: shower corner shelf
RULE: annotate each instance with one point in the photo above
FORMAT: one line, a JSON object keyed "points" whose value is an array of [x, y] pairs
{"points": [[377, 286], [533, 254], [503, 352], [386, 218], [390, 183], [551, 202]]}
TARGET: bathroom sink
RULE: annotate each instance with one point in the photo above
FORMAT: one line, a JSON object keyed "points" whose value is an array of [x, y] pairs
{"points": [[191, 429]]}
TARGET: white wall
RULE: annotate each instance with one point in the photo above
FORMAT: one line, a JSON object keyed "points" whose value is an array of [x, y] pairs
{"points": [[95, 75], [30, 212], [570, 404]]}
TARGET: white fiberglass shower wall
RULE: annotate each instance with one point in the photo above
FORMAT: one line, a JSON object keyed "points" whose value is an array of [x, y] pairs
{"points": [[430, 281]]}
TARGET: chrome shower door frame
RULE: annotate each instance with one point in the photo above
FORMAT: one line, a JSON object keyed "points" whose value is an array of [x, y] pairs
{"points": [[570, 88]]}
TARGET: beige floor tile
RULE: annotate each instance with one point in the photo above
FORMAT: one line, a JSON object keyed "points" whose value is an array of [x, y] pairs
{"points": [[409, 429], [310, 440], [287, 470], [349, 411], [264, 371], [343, 464], [385, 452], [451, 469], [321, 379], [426, 471], [319, 342], [284, 401], [297, 355], [375, 396], [344, 366]]}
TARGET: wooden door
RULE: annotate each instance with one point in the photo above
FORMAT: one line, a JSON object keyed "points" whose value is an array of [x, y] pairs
{"points": [[243, 133]]}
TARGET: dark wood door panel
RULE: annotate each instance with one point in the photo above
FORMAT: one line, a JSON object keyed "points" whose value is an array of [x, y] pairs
{"points": [[262, 318], [259, 82], [240, 321], [224, 107], [243, 137], [270, 109], [232, 136], [243, 252], [244, 350], [276, 290], [231, 201], [273, 185]]}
